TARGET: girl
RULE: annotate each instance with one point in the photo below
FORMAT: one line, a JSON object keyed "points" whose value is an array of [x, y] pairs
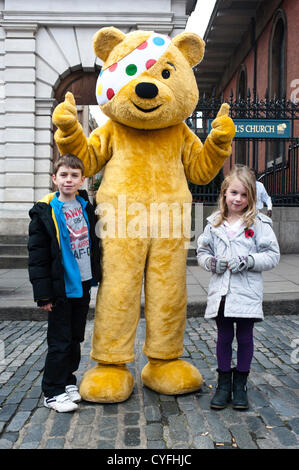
{"points": [[237, 244]]}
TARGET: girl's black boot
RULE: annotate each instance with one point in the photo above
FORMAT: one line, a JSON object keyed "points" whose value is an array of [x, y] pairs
{"points": [[223, 390], [240, 400]]}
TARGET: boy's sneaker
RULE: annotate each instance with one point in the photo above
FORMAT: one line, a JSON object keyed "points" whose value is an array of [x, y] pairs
{"points": [[73, 393], [60, 403]]}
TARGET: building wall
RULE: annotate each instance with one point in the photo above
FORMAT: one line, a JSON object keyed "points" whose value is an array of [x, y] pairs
{"points": [[40, 44], [291, 10]]}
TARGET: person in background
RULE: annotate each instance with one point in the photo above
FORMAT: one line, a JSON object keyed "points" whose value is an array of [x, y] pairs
{"points": [[262, 197]]}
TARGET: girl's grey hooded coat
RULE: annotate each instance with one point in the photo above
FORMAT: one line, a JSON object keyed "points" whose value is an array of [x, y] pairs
{"points": [[243, 290]]}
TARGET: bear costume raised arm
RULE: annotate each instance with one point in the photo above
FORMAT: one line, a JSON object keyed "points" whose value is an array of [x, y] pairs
{"points": [[147, 88]]}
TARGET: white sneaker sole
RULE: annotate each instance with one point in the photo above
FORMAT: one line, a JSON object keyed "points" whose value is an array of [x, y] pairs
{"points": [[56, 408]]}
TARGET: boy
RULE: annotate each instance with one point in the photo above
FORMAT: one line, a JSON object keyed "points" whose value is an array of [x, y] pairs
{"points": [[64, 260]]}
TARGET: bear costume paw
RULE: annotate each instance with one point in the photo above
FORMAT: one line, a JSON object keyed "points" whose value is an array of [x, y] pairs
{"points": [[171, 377], [107, 383]]}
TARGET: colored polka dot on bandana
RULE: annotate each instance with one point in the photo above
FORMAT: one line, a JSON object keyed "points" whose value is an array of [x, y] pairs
{"points": [[110, 93], [143, 45], [113, 67], [119, 74], [149, 63], [131, 69], [158, 41], [99, 88]]}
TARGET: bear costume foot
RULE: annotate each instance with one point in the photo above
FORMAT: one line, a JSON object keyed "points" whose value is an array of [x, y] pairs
{"points": [[107, 383], [171, 377]]}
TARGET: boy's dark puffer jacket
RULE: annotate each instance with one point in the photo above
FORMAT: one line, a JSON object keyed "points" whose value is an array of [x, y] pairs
{"points": [[45, 267]]}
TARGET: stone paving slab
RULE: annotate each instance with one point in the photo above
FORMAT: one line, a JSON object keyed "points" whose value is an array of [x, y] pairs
{"points": [[148, 420]]}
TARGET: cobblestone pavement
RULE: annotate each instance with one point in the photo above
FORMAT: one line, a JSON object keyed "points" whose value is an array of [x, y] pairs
{"points": [[149, 420]]}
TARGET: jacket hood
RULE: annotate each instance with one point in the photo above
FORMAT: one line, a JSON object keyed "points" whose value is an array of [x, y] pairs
{"points": [[48, 198], [264, 218], [41, 208], [211, 219]]}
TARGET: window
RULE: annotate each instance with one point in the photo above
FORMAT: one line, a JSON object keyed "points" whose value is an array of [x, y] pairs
{"points": [[276, 78], [277, 61]]}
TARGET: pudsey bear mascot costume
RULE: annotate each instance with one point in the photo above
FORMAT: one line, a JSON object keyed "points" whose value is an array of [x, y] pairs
{"points": [[147, 88]]}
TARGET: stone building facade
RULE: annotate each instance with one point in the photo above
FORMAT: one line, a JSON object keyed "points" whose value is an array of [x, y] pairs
{"points": [[252, 50], [46, 48]]}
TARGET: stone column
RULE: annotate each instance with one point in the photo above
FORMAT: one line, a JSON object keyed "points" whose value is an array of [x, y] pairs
{"points": [[44, 146], [19, 127], [2, 96]]}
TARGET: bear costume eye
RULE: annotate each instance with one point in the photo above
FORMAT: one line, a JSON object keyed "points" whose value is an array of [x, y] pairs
{"points": [[165, 73]]}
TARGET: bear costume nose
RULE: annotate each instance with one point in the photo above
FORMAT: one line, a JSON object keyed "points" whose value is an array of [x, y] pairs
{"points": [[146, 90]]}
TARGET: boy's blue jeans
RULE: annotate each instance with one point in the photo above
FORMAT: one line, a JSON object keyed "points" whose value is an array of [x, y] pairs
{"points": [[66, 328]]}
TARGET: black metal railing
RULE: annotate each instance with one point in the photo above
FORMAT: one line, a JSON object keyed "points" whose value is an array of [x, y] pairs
{"points": [[276, 160], [207, 194], [281, 180]]}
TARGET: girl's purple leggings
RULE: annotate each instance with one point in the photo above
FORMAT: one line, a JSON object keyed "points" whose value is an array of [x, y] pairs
{"points": [[244, 335]]}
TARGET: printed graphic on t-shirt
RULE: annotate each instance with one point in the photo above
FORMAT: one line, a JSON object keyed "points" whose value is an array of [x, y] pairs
{"points": [[78, 230], [79, 238]]}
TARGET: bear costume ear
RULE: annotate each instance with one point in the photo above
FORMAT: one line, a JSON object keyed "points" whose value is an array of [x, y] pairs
{"points": [[105, 40], [191, 46]]}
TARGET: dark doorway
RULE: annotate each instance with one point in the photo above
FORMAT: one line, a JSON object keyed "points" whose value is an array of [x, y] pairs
{"points": [[82, 85]]}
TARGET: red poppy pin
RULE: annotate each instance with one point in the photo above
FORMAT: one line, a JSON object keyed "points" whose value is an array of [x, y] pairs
{"points": [[249, 233]]}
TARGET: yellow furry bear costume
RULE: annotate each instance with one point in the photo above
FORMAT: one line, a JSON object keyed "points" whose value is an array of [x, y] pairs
{"points": [[147, 88]]}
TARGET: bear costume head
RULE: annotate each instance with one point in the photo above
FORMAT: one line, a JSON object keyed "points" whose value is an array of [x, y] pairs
{"points": [[147, 81]]}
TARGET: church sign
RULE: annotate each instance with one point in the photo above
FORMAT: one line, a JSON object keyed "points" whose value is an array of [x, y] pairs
{"points": [[261, 128]]}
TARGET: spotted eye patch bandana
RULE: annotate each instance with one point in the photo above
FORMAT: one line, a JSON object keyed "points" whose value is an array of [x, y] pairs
{"points": [[111, 80]]}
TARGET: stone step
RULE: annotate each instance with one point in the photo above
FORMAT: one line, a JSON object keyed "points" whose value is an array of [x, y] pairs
{"points": [[13, 262], [14, 239], [13, 252], [191, 257]]}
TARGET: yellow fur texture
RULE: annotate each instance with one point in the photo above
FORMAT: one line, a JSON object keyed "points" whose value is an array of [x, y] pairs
{"points": [[148, 154], [107, 383], [171, 377]]}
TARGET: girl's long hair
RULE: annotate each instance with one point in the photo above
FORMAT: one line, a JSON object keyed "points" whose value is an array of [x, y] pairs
{"points": [[246, 176]]}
